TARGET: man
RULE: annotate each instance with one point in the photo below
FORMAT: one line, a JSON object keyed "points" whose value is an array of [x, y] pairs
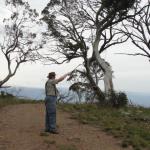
{"points": [[50, 101]]}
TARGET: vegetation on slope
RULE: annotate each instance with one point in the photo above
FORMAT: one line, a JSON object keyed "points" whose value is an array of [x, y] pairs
{"points": [[8, 99], [131, 124]]}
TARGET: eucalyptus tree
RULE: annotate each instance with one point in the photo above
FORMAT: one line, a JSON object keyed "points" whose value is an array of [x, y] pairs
{"points": [[84, 29], [138, 29], [18, 42]]}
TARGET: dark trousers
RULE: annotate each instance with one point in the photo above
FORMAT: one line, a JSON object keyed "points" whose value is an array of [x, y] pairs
{"points": [[50, 114]]}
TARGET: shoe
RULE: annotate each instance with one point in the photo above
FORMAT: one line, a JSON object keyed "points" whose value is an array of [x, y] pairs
{"points": [[54, 132]]}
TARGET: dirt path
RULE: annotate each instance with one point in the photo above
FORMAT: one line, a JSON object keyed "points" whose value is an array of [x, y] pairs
{"points": [[21, 129]]}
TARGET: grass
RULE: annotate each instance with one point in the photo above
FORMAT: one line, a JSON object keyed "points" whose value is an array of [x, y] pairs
{"points": [[131, 124], [10, 100]]}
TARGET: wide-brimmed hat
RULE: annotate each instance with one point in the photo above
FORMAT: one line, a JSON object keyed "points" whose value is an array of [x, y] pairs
{"points": [[51, 74]]}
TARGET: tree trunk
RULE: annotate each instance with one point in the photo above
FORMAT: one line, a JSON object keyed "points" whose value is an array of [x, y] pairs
{"points": [[4, 80], [94, 86], [108, 83], [10, 74]]}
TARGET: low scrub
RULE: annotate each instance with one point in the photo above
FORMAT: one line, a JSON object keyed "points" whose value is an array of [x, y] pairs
{"points": [[9, 99], [115, 99], [131, 124], [118, 99]]}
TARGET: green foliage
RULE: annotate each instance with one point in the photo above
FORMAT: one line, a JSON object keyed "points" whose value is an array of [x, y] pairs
{"points": [[14, 2], [130, 124], [118, 4], [115, 99], [122, 99], [118, 99], [5, 95], [53, 2]]}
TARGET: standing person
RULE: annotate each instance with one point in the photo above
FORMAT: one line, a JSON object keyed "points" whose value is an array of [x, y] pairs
{"points": [[50, 101]]}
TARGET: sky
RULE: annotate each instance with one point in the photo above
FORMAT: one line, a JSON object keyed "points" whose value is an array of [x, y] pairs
{"points": [[130, 73]]}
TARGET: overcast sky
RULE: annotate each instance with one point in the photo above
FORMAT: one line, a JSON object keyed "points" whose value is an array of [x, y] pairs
{"points": [[130, 73]]}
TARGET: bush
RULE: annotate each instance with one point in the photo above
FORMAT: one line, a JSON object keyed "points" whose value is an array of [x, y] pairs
{"points": [[122, 99], [118, 99], [6, 95]]}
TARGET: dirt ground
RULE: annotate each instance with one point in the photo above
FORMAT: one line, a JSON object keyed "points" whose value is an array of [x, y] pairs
{"points": [[22, 126]]}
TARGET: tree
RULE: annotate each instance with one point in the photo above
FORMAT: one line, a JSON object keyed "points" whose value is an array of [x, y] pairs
{"points": [[84, 29], [19, 39], [138, 29]]}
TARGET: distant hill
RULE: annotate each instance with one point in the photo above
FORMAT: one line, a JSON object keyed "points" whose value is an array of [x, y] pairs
{"points": [[26, 92], [136, 98]]}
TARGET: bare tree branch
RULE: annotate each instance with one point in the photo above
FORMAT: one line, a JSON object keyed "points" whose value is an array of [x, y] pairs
{"points": [[138, 29], [19, 44]]}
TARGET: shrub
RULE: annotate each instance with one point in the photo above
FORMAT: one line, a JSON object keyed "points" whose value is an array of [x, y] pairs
{"points": [[118, 99], [5, 95]]}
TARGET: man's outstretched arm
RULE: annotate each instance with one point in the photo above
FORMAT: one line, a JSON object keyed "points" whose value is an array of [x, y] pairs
{"points": [[62, 77]]}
